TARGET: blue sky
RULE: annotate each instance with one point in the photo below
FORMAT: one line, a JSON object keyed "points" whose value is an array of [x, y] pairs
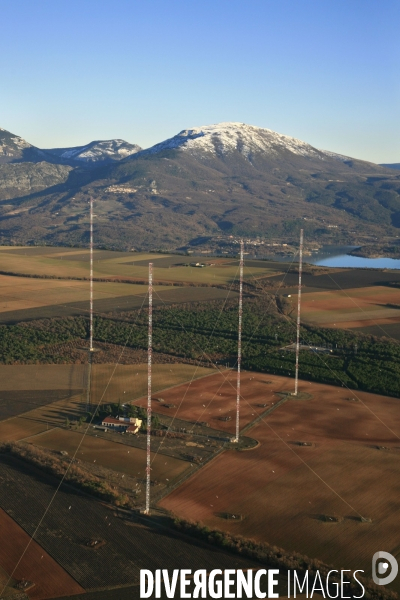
{"points": [[325, 71]]}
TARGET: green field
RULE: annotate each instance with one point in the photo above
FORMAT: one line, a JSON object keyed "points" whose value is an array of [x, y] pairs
{"points": [[74, 263], [21, 293]]}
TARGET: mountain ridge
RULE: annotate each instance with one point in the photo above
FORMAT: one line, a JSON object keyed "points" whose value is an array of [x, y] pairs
{"points": [[228, 136], [206, 182], [97, 152], [391, 165], [15, 149]]}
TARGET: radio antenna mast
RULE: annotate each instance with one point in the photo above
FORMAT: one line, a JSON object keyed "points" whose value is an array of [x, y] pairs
{"points": [[149, 356], [296, 380], [91, 275], [88, 399], [239, 358]]}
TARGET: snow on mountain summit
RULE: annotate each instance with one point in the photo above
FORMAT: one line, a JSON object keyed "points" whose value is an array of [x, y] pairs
{"points": [[13, 148], [97, 151], [224, 138]]}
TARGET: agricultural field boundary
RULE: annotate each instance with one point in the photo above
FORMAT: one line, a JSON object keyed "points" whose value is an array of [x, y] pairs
{"points": [[264, 414], [38, 566], [115, 304], [116, 279], [115, 564], [29, 437], [157, 498], [196, 468], [281, 425]]}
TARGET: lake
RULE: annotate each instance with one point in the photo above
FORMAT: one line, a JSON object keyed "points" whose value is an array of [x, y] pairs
{"points": [[335, 256]]}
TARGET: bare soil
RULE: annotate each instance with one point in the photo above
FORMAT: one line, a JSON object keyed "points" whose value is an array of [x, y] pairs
{"points": [[50, 579], [213, 399], [352, 307], [284, 490], [131, 542]]}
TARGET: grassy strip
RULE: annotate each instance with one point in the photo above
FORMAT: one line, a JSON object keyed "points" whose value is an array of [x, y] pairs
{"points": [[75, 476], [277, 558], [116, 279]]}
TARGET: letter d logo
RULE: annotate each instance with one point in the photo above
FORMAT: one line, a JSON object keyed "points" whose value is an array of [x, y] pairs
{"points": [[380, 568]]}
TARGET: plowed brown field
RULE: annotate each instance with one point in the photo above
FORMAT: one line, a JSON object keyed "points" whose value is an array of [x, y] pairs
{"points": [[350, 308], [19, 428], [51, 581], [213, 397], [284, 490]]}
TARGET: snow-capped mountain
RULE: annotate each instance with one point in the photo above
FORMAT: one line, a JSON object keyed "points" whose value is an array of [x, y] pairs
{"points": [[15, 149], [215, 180], [97, 152], [248, 140]]}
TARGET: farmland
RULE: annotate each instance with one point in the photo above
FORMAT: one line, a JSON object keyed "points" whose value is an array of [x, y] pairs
{"points": [[21, 293], [110, 383], [19, 428], [344, 298], [114, 267], [25, 298], [73, 520], [205, 333], [50, 282], [352, 308], [126, 460], [212, 399], [104, 457], [59, 262], [42, 377], [25, 388], [337, 279], [284, 499], [330, 436], [37, 566]]}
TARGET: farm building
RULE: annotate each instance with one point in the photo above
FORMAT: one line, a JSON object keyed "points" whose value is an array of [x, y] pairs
{"points": [[128, 424], [131, 420], [133, 429], [111, 422]]}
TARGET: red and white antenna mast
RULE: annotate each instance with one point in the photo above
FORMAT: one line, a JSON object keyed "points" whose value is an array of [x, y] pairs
{"points": [[239, 358], [91, 276], [90, 310], [149, 356], [296, 380]]}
